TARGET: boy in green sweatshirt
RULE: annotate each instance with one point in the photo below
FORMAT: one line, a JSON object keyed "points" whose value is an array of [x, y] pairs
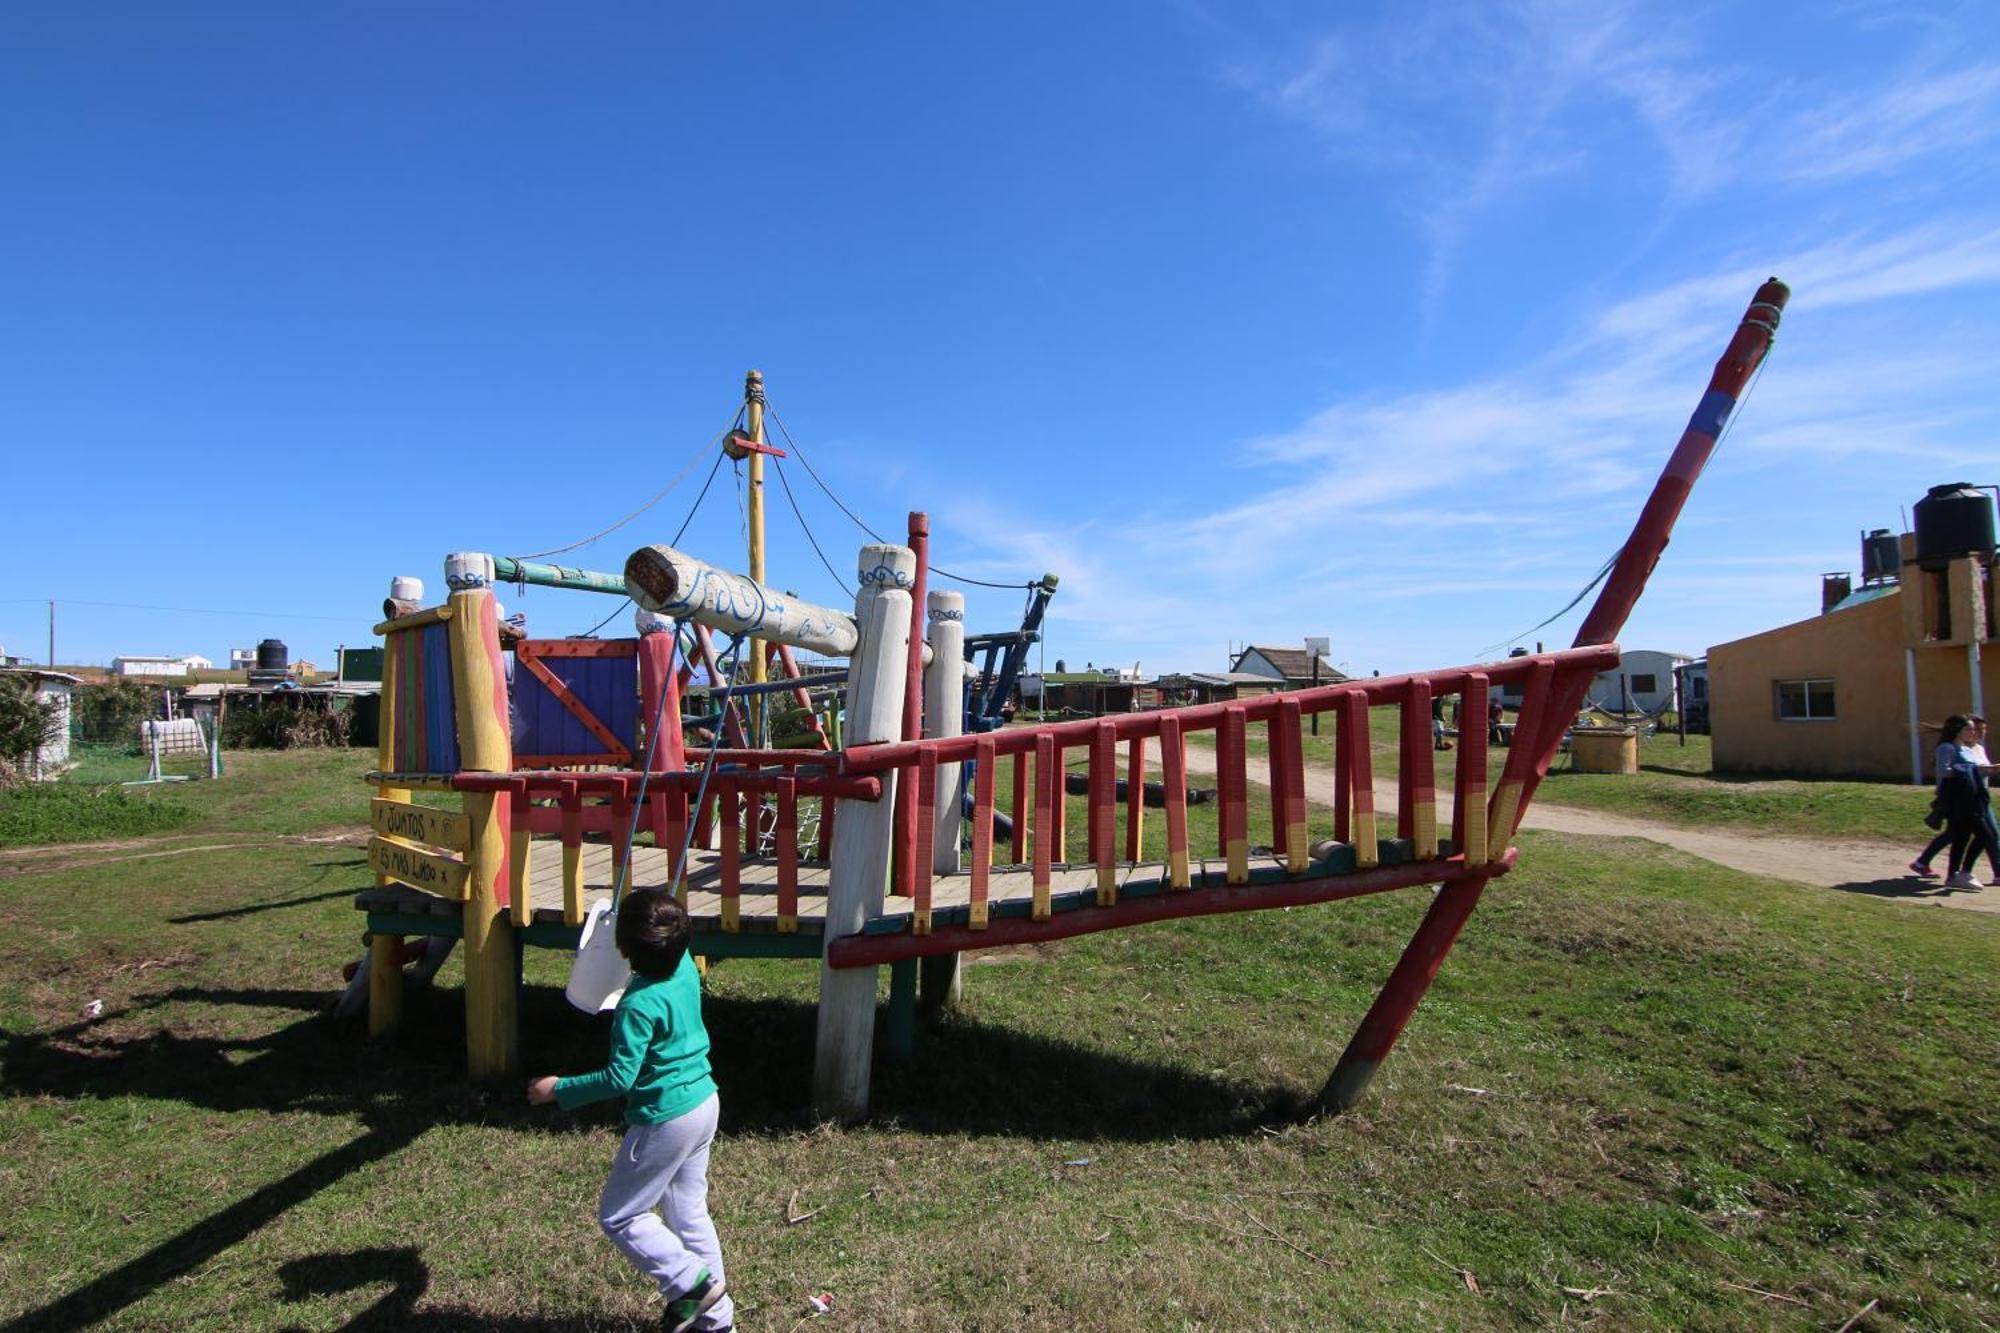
{"points": [[659, 1065]]}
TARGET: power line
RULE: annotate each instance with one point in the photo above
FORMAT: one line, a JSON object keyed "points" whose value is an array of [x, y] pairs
{"points": [[188, 610]]}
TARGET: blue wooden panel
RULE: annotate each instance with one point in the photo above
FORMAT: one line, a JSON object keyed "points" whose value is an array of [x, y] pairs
{"points": [[607, 686], [440, 718]]}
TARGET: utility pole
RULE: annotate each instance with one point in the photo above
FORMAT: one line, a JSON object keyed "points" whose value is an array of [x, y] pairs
{"points": [[52, 633]]}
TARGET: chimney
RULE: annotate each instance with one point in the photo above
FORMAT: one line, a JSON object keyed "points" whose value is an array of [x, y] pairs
{"points": [[1833, 589]]}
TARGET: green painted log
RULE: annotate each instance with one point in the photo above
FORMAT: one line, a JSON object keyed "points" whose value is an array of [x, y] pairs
{"points": [[506, 569]]}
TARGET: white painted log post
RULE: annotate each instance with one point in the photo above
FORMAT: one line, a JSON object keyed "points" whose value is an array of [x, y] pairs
{"points": [[859, 875], [944, 715]]}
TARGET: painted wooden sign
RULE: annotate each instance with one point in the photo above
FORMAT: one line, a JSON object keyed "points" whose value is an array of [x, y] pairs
{"points": [[417, 823], [417, 868]]}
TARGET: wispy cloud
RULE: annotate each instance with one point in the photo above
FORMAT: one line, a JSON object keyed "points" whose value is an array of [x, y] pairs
{"points": [[1471, 110], [1359, 505]]}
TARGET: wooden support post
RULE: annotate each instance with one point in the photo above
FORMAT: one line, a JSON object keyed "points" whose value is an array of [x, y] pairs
{"points": [[944, 715], [1400, 995], [485, 745], [877, 676], [1173, 774], [385, 952]]}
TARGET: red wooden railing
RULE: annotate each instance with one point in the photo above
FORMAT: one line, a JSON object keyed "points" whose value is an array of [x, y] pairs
{"points": [[1483, 820]]}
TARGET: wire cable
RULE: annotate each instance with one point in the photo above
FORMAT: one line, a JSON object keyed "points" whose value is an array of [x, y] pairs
{"points": [[1742, 407], [679, 477], [807, 529], [799, 454]]}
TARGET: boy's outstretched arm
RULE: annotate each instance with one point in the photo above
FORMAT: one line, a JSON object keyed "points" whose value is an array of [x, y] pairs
{"points": [[630, 1032]]}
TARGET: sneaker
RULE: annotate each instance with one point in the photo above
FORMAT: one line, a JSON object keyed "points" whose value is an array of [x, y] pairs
{"points": [[1919, 868], [685, 1309], [1964, 879]]}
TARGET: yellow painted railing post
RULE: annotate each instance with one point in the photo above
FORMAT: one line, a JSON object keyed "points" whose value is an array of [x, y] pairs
{"points": [[385, 953], [485, 745]]}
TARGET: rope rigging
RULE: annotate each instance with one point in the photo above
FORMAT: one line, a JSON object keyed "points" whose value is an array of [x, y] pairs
{"points": [[679, 477], [1742, 406], [813, 472]]}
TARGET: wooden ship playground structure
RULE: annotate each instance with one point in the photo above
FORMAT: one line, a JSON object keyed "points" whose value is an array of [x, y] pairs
{"points": [[877, 840]]}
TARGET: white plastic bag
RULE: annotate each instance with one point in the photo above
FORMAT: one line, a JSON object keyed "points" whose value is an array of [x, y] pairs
{"points": [[598, 977]]}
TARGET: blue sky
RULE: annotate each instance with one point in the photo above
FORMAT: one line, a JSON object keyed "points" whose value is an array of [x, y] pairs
{"points": [[1251, 321]]}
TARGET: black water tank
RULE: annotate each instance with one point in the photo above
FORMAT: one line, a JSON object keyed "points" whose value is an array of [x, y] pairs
{"points": [[1881, 557], [1952, 521], [271, 654]]}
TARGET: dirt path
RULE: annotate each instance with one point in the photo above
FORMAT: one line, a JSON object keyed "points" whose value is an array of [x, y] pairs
{"points": [[1871, 868]]}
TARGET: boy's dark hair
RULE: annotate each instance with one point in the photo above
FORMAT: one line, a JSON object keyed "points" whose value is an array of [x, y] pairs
{"points": [[653, 932]]}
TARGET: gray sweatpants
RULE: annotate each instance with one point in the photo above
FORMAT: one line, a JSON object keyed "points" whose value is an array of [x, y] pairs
{"points": [[665, 1167]]}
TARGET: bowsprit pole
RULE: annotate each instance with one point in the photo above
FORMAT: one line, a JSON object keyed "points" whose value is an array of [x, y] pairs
{"points": [[1642, 549], [1656, 521]]}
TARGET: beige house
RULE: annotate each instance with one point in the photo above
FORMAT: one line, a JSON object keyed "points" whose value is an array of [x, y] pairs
{"points": [[1860, 689]]}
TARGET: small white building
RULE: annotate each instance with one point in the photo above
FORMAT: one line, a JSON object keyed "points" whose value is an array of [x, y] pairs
{"points": [[242, 659], [51, 687], [149, 666], [1642, 682], [1291, 668], [196, 662]]}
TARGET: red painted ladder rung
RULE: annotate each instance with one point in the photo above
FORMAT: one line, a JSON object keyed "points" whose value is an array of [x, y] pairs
{"points": [[1173, 775], [984, 759], [788, 856], [1468, 812], [732, 865], [924, 848], [1104, 811]]}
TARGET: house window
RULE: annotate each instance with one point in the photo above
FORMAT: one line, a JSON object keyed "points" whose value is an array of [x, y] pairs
{"points": [[1646, 684], [1804, 700]]}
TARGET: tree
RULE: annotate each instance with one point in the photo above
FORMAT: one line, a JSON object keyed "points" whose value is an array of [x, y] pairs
{"points": [[27, 722]]}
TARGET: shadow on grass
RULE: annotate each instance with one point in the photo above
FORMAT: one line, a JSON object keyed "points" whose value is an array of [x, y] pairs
{"points": [[410, 1277], [966, 1077], [252, 909], [1906, 887]]}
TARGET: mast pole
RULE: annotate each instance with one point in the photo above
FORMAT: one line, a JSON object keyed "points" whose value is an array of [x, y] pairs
{"points": [[753, 396]]}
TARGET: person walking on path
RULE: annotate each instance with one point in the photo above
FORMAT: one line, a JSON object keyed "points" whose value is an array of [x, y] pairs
{"points": [[1985, 835], [1942, 759], [659, 1064]]}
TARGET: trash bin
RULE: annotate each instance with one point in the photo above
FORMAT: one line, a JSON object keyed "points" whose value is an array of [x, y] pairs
{"points": [[1605, 749]]}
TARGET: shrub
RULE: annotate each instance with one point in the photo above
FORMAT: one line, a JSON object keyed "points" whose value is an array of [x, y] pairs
{"points": [[280, 723], [72, 812]]}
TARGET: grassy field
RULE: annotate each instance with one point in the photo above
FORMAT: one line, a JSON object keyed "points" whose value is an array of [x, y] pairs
{"points": [[1677, 785], [1644, 1093]]}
